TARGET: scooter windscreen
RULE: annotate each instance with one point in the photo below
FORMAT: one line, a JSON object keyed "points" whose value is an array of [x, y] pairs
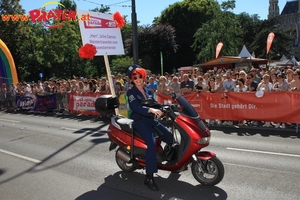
{"points": [[186, 108]]}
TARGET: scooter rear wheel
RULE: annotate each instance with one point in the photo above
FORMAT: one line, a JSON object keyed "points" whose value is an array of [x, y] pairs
{"points": [[213, 174], [126, 167]]}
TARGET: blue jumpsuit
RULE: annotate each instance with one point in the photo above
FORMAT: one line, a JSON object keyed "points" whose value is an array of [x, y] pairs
{"points": [[145, 124]]}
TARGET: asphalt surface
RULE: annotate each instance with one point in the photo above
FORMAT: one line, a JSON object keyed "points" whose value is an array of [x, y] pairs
{"points": [[54, 156]]}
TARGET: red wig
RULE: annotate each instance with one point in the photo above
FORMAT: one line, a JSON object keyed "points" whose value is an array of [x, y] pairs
{"points": [[139, 71]]}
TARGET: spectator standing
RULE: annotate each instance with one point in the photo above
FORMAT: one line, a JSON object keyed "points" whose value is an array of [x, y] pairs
{"points": [[228, 86], [228, 83], [103, 87], [92, 86], [27, 88], [295, 83], [241, 87], [289, 76], [273, 78], [175, 86], [211, 85], [187, 85], [59, 97], [86, 87], [251, 83], [256, 75], [200, 86], [206, 78], [73, 86], [152, 85], [128, 85], [2, 99], [243, 75], [163, 87], [280, 86], [265, 84], [119, 89], [119, 79], [13, 95], [80, 87], [218, 83]]}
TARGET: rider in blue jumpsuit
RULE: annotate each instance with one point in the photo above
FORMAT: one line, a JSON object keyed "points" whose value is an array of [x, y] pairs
{"points": [[144, 122]]}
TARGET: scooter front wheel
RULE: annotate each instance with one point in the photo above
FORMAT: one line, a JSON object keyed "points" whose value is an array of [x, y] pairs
{"points": [[125, 166], [212, 172]]}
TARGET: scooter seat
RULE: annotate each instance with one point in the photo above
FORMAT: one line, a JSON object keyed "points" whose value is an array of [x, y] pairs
{"points": [[125, 123]]}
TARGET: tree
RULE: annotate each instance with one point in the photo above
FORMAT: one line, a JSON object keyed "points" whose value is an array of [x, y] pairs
{"points": [[187, 17], [220, 29], [13, 33], [281, 44], [152, 40]]}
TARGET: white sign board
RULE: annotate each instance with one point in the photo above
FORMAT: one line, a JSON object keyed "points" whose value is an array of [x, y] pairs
{"points": [[101, 31]]}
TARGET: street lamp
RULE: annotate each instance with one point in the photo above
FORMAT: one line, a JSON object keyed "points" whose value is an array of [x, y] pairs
{"points": [[134, 34]]}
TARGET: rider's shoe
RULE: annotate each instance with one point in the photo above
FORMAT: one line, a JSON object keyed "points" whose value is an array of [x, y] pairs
{"points": [[149, 181]]}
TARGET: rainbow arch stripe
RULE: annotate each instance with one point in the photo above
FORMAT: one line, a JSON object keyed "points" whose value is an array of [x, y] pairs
{"points": [[8, 72]]}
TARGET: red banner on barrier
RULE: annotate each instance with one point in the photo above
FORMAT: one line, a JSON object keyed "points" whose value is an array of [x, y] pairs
{"points": [[272, 107], [83, 103]]}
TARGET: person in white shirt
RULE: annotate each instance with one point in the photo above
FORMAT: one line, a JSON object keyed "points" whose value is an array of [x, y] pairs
{"points": [[228, 83], [265, 85]]}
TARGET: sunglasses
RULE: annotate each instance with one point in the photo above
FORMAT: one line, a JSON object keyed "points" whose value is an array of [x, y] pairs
{"points": [[136, 77], [249, 77]]}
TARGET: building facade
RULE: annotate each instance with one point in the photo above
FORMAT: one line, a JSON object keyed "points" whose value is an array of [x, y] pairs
{"points": [[289, 21]]}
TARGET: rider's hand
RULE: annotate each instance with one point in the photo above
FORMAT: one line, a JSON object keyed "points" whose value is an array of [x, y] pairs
{"points": [[157, 113]]}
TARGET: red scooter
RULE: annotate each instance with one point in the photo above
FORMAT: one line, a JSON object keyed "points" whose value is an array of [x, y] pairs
{"points": [[190, 135]]}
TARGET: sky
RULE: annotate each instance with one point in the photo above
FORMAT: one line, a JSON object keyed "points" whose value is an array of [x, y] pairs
{"points": [[147, 10]]}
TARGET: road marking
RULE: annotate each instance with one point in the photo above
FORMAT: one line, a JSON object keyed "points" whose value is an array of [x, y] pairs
{"points": [[259, 168], [70, 129], [7, 120], [264, 152], [20, 156]]}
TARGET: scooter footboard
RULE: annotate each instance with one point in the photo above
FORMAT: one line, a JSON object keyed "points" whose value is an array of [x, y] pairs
{"points": [[205, 155]]}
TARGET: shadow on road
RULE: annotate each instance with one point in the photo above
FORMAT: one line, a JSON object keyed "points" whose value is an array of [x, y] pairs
{"points": [[129, 186], [37, 167], [2, 171]]}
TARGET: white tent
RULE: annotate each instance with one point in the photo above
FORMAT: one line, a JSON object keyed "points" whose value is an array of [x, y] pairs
{"points": [[283, 57], [245, 53], [294, 61]]}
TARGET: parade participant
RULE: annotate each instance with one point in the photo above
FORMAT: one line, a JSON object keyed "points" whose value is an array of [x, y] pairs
{"points": [[144, 122]]}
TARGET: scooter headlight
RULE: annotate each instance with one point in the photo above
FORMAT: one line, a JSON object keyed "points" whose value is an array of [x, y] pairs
{"points": [[204, 140]]}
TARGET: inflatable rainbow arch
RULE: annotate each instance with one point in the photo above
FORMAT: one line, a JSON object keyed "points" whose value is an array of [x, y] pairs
{"points": [[8, 72]]}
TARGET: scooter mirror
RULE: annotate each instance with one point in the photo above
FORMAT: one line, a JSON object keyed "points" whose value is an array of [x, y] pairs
{"points": [[173, 95]]}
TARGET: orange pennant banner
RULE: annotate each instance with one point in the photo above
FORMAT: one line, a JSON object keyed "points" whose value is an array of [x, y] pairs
{"points": [[218, 49], [269, 41]]}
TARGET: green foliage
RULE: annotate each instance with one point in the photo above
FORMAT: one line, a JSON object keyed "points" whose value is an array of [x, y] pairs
{"points": [[152, 40], [234, 31], [220, 29], [120, 64], [281, 44], [12, 33], [186, 33], [186, 17]]}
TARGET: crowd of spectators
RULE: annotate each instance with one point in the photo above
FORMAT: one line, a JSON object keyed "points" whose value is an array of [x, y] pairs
{"points": [[231, 80]]}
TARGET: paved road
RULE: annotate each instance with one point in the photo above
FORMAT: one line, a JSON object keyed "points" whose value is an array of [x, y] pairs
{"points": [[58, 157]]}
